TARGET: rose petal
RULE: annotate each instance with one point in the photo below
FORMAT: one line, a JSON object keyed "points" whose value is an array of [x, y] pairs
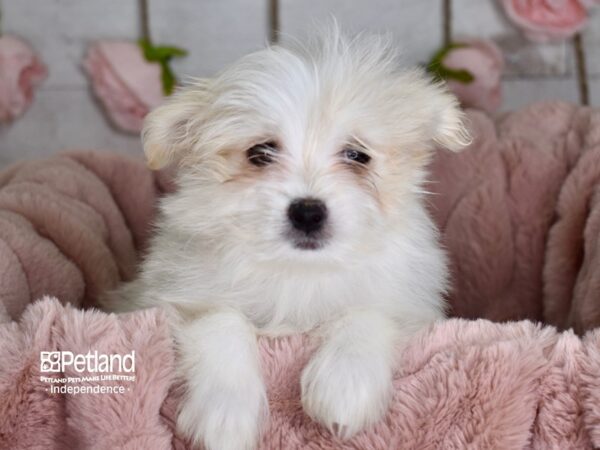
{"points": [[545, 20], [21, 71], [484, 60], [126, 84], [129, 65]]}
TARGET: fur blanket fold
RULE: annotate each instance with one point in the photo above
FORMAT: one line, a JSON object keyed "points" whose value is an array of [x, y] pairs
{"points": [[462, 384], [71, 226], [519, 213]]}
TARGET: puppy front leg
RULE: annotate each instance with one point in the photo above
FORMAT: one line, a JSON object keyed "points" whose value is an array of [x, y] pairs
{"points": [[347, 384], [225, 401]]}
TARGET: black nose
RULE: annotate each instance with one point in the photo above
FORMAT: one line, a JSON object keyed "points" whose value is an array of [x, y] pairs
{"points": [[307, 214]]}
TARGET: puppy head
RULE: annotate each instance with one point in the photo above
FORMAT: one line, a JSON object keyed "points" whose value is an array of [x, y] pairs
{"points": [[307, 152]]}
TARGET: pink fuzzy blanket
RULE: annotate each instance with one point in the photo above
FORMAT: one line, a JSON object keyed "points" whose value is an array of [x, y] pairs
{"points": [[520, 216]]}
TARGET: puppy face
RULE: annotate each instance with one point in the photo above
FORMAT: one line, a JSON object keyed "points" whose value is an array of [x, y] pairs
{"points": [[303, 154]]}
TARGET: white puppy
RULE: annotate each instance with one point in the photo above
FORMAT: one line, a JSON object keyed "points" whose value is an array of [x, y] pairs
{"points": [[300, 207]]}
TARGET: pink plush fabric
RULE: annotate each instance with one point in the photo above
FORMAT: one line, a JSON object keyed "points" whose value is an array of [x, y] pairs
{"points": [[462, 384], [519, 214], [32, 418], [70, 226]]}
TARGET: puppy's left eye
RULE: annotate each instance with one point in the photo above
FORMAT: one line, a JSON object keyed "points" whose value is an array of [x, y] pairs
{"points": [[262, 154], [354, 155]]}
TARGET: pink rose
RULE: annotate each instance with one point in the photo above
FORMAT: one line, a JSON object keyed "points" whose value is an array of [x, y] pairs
{"points": [[126, 84], [545, 20], [484, 61], [20, 72]]}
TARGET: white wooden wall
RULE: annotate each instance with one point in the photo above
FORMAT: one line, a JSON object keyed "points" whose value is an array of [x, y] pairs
{"points": [[216, 32]]}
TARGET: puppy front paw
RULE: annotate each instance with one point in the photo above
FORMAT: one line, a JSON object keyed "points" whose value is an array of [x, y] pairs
{"points": [[224, 420], [345, 393]]}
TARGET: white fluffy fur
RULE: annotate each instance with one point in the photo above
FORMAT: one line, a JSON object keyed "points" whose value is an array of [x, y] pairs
{"points": [[220, 261]]}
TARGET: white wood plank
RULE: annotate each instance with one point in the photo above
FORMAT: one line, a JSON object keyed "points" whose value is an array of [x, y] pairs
{"points": [[486, 19], [61, 30], [215, 32], [416, 25], [59, 120], [519, 92]]}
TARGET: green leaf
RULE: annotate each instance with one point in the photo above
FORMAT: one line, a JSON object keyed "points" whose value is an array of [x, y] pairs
{"points": [[439, 56], [168, 78], [160, 53], [462, 75], [163, 55], [168, 52], [441, 72], [148, 49]]}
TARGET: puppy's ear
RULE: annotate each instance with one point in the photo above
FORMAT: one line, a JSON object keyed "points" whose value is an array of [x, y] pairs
{"points": [[449, 127], [168, 133]]}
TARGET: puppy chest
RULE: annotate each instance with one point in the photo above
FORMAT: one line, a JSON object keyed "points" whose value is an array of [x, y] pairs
{"points": [[300, 304]]}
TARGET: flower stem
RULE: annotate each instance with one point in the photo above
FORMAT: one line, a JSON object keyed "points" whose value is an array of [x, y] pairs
{"points": [[447, 18], [582, 82], [144, 20], [273, 21]]}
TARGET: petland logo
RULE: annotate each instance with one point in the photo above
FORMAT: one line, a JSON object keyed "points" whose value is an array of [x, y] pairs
{"points": [[57, 362]]}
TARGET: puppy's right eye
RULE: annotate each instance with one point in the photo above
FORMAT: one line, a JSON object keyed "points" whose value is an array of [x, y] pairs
{"points": [[262, 154]]}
